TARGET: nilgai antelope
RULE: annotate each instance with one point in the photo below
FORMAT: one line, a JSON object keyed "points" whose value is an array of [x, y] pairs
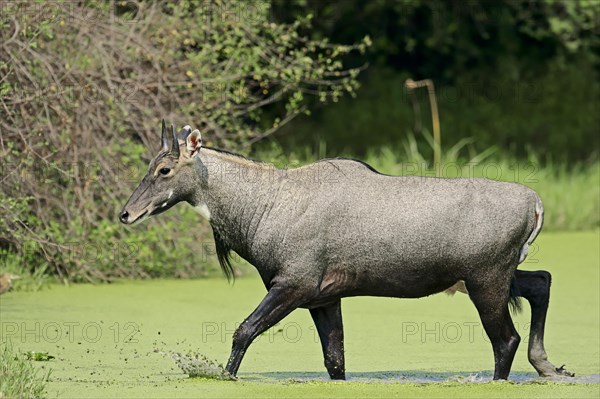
{"points": [[337, 228]]}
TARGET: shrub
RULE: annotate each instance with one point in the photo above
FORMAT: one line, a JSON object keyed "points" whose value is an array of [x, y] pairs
{"points": [[83, 88]]}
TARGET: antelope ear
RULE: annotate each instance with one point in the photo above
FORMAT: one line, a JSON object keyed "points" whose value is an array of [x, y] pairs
{"points": [[193, 142], [187, 129]]}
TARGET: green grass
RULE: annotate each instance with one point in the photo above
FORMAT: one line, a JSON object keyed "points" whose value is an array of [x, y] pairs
{"points": [[107, 339], [18, 377]]}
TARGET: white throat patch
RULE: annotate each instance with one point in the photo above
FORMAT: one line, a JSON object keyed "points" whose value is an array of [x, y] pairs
{"points": [[203, 210]]}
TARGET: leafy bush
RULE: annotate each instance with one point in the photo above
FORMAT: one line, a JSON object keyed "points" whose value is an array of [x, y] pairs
{"points": [[83, 88]]}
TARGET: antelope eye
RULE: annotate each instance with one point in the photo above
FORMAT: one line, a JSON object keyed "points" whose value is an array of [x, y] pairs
{"points": [[164, 171]]}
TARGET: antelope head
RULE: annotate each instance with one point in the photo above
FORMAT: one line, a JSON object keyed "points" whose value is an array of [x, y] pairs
{"points": [[172, 176]]}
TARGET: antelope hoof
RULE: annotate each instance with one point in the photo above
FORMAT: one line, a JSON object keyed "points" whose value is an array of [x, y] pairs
{"points": [[337, 373], [562, 371]]}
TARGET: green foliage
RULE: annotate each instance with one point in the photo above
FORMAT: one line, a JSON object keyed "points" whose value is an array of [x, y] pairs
{"points": [[444, 39], [18, 377], [514, 74], [572, 24], [79, 118], [553, 114], [239, 64]]}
